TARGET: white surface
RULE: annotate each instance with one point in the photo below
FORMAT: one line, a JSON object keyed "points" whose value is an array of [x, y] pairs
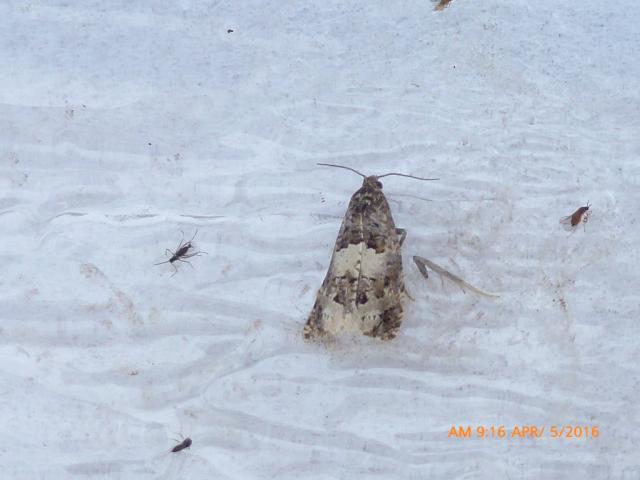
{"points": [[121, 126]]}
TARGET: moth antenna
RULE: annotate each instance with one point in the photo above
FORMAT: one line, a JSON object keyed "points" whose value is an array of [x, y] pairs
{"points": [[341, 166], [405, 175]]}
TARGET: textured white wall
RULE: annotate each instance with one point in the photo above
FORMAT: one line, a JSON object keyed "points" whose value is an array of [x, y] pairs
{"points": [[121, 125]]}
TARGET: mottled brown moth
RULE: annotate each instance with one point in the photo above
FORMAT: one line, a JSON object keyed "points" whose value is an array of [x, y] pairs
{"points": [[364, 286]]}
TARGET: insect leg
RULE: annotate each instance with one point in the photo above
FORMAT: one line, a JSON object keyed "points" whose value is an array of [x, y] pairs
{"points": [[409, 296], [195, 254], [421, 266], [165, 252], [585, 219], [403, 234], [184, 261]]}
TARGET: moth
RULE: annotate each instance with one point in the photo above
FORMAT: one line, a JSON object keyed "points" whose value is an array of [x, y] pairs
{"points": [[364, 285]]}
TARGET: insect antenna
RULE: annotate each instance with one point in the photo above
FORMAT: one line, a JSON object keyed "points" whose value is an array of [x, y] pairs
{"points": [[405, 175], [341, 166]]}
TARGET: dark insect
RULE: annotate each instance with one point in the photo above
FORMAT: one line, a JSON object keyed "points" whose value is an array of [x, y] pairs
{"points": [[186, 443], [230, 30], [580, 215], [442, 5], [182, 252]]}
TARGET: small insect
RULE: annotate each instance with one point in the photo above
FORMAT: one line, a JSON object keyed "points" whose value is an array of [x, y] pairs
{"points": [[186, 443], [580, 215], [442, 5], [182, 252]]}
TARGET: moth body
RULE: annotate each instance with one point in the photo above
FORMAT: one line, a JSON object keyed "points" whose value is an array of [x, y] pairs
{"points": [[364, 286]]}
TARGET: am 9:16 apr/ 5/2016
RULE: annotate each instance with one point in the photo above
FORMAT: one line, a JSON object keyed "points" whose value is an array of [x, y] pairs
{"points": [[524, 431]]}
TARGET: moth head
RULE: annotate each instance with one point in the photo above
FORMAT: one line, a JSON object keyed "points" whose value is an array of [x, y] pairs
{"points": [[372, 182]]}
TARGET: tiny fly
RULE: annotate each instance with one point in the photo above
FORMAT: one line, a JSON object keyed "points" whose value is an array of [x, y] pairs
{"points": [[581, 215], [182, 252]]}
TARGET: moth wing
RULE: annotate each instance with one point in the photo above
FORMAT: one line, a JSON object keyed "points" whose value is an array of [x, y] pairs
{"points": [[566, 224]]}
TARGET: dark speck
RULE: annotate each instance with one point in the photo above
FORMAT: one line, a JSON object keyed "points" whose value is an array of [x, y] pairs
{"points": [[185, 444]]}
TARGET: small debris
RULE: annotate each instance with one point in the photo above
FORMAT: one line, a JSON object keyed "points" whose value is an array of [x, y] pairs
{"points": [[422, 264], [186, 443]]}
